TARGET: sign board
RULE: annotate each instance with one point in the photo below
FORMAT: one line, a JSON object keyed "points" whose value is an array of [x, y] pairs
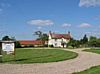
{"points": [[8, 47]]}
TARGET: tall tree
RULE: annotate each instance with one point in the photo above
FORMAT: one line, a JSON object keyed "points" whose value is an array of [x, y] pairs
{"points": [[84, 40], [44, 36], [38, 33], [41, 35]]}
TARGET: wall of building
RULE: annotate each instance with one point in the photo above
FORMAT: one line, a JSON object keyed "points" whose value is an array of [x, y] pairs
{"points": [[57, 42]]}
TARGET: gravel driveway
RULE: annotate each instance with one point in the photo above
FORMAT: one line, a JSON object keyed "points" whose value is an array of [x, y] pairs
{"points": [[84, 61]]}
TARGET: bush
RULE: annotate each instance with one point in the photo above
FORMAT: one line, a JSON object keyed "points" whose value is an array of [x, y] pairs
{"points": [[31, 45], [51, 46], [70, 47], [46, 45], [94, 43], [17, 44], [27, 46]]}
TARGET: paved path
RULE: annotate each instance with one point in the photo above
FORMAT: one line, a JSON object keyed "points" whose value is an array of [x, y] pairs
{"points": [[83, 61]]}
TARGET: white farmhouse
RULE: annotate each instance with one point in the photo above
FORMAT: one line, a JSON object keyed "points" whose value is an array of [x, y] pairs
{"points": [[59, 40]]}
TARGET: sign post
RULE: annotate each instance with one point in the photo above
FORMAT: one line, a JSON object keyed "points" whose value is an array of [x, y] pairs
{"points": [[8, 47], [0, 55]]}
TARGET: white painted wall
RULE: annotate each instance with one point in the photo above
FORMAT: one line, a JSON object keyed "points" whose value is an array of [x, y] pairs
{"points": [[57, 42]]}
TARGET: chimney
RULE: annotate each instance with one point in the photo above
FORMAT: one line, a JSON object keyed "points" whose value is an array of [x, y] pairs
{"points": [[69, 32], [49, 32]]}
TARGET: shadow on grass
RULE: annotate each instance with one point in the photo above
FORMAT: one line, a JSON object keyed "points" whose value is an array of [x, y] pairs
{"points": [[14, 60], [20, 60]]}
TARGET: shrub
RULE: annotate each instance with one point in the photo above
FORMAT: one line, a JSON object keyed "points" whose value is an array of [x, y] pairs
{"points": [[31, 45], [46, 45], [17, 44], [51, 46]]}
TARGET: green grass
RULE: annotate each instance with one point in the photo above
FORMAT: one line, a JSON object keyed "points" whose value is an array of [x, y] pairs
{"points": [[93, 70], [93, 50], [38, 56]]}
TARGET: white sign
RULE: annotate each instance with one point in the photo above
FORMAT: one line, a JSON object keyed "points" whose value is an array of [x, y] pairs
{"points": [[8, 47]]}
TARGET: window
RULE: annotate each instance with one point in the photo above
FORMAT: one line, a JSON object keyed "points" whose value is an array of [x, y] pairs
{"points": [[55, 39], [55, 44]]}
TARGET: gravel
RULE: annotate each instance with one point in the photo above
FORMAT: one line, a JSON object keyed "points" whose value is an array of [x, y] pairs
{"points": [[84, 61]]}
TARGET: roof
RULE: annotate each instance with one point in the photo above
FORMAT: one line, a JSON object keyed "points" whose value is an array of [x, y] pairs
{"points": [[31, 42], [7, 41], [59, 36]]}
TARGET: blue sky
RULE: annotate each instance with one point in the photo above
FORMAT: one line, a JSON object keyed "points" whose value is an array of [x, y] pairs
{"points": [[21, 18]]}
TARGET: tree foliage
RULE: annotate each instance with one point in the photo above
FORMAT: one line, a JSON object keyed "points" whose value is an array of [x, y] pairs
{"points": [[38, 33], [84, 40], [41, 35], [6, 38], [74, 43], [17, 44], [78, 43], [94, 42]]}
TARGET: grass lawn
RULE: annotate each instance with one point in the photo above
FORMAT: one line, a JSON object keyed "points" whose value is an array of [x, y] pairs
{"points": [[93, 70], [38, 56], [93, 50]]}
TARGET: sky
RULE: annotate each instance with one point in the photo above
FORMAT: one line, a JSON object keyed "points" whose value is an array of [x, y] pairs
{"points": [[21, 18]]}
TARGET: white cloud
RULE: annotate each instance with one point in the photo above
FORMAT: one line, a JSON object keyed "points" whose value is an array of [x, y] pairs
{"points": [[66, 25], [41, 22], [84, 25], [39, 27], [88, 32], [88, 3]]}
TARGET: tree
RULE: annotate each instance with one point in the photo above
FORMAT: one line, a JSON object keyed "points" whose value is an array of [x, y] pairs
{"points": [[94, 42], [6, 38], [74, 43], [98, 42], [38, 33], [17, 44], [92, 38], [85, 39], [41, 35]]}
